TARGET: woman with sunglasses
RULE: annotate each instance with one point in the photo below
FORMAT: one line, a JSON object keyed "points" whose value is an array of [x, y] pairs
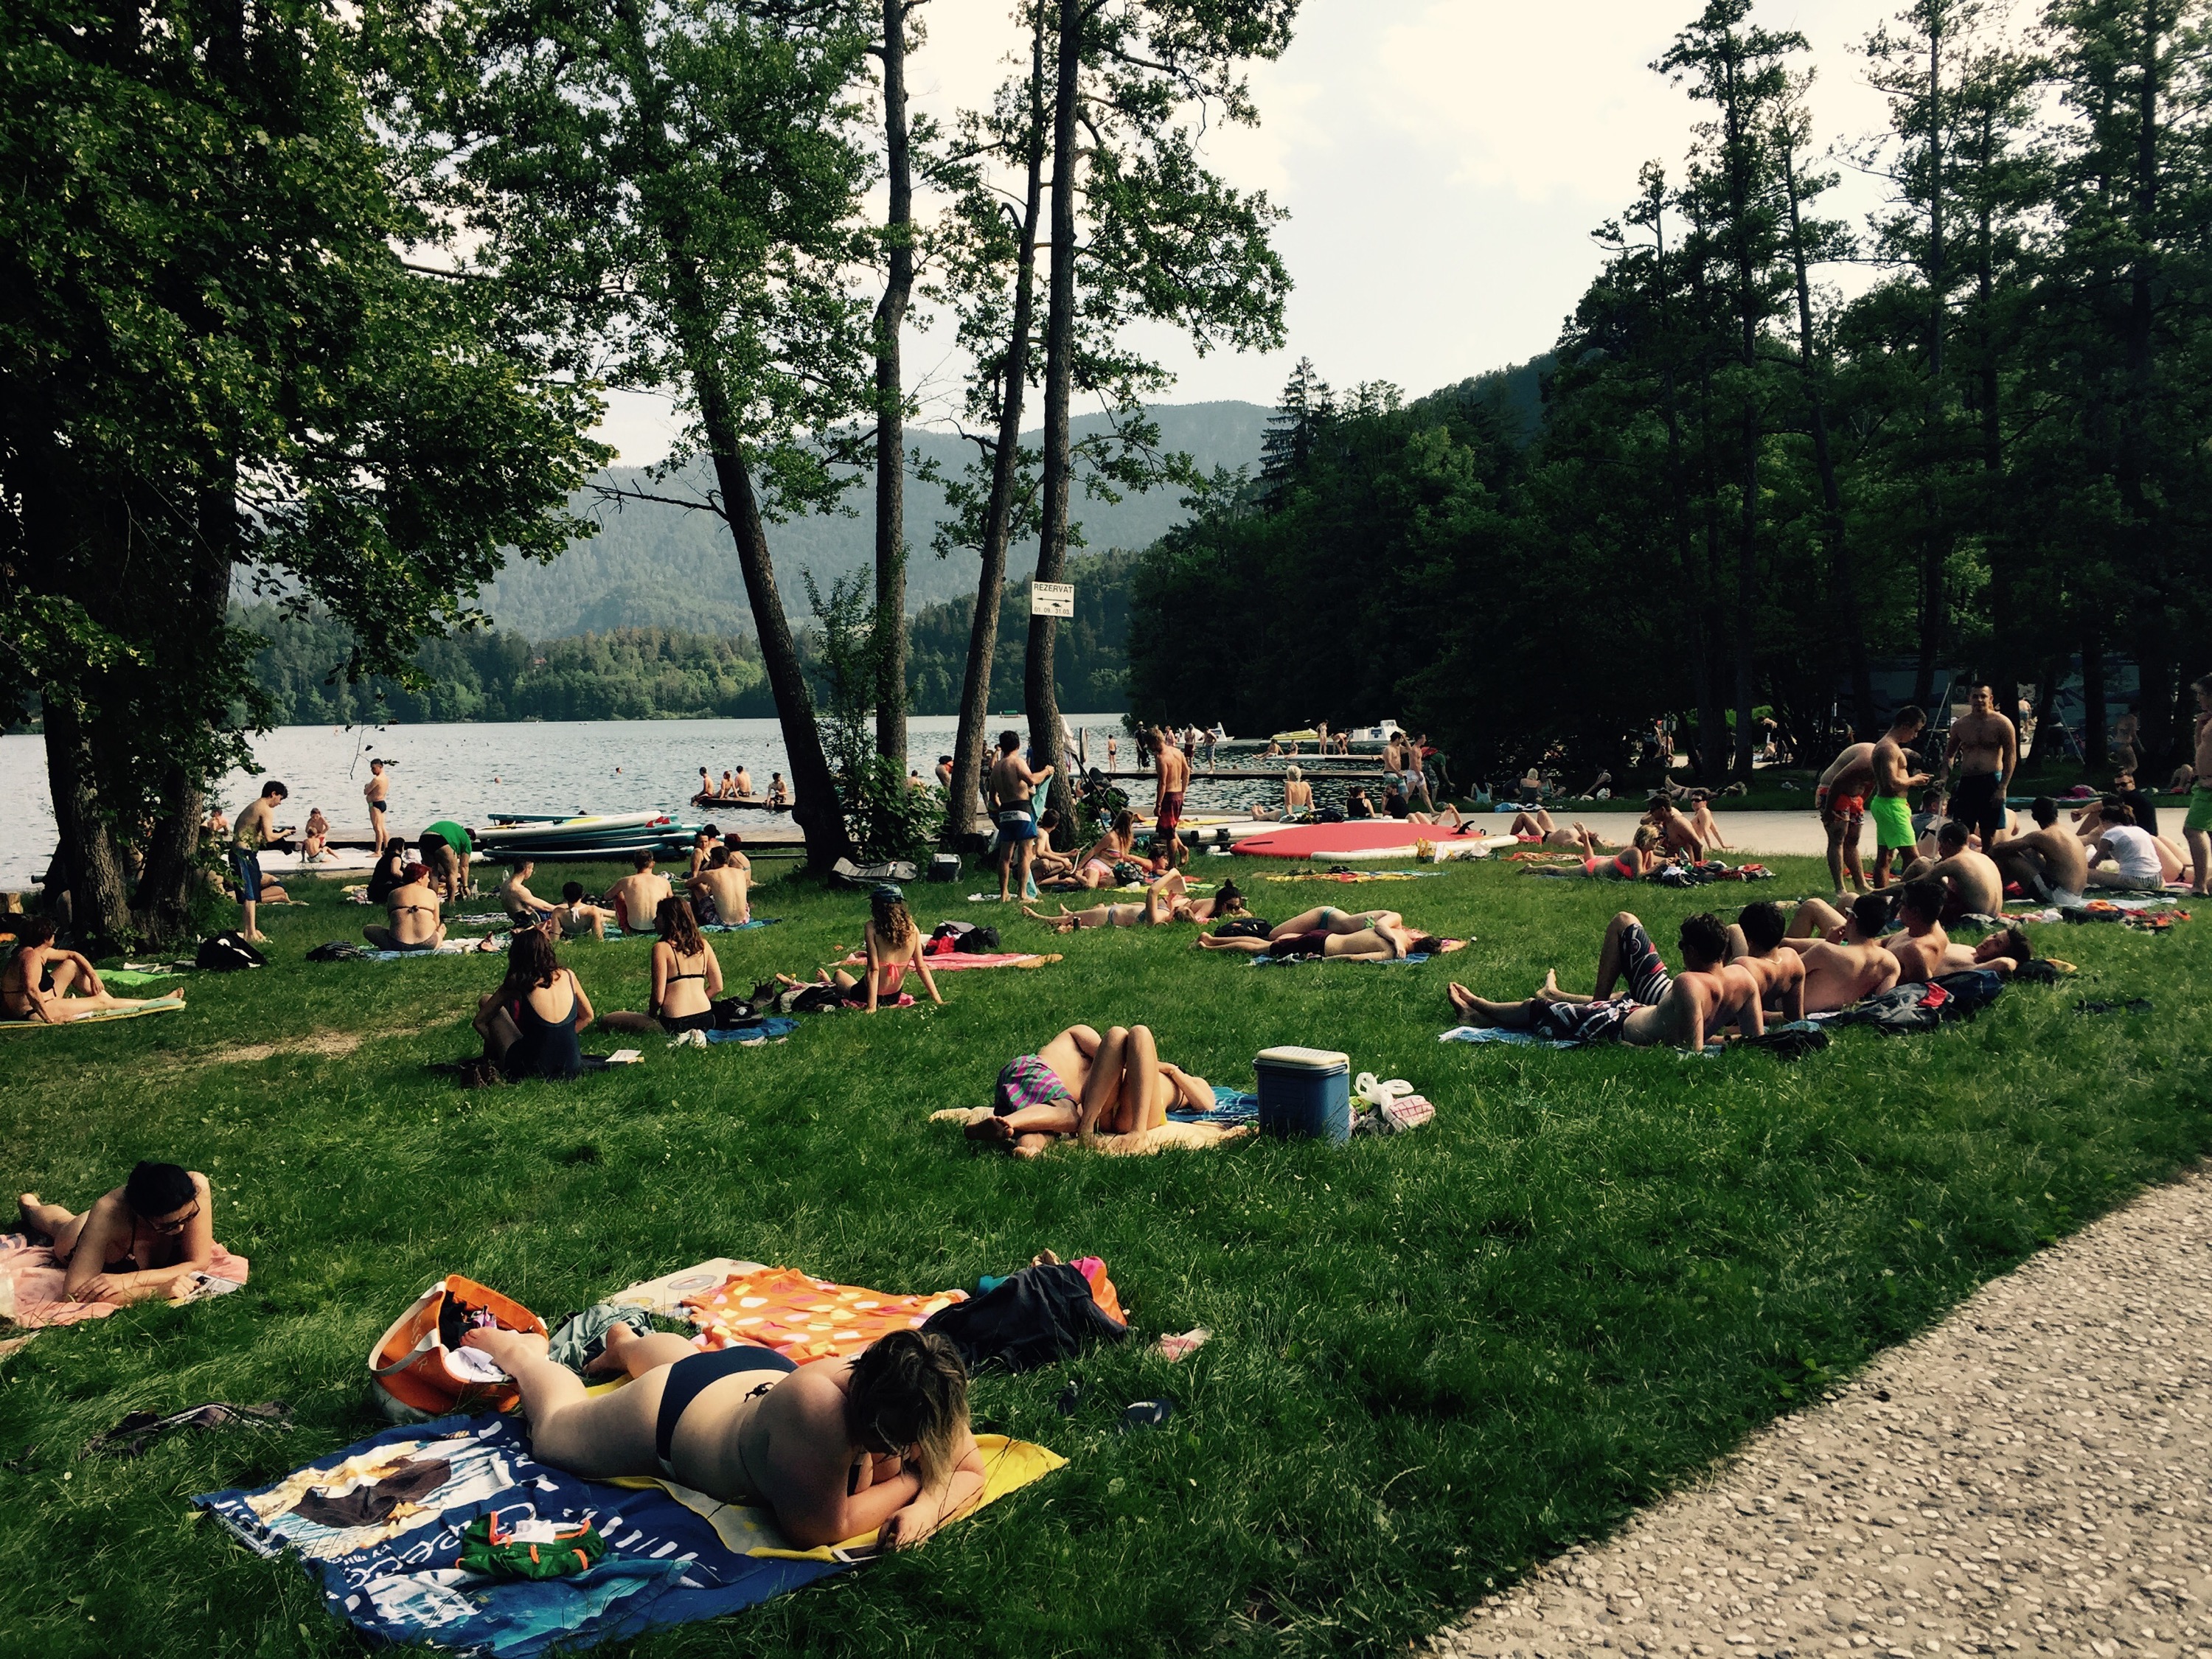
{"points": [[145, 1239], [838, 1449]]}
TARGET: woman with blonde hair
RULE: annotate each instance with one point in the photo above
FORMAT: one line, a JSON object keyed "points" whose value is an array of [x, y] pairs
{"points": [[838, 1449]]}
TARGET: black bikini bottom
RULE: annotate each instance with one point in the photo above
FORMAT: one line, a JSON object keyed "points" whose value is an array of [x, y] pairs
{"points": [[690, 1376]]}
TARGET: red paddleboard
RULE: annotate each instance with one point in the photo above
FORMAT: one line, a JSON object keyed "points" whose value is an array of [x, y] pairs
{"points": [[1323, 840]]}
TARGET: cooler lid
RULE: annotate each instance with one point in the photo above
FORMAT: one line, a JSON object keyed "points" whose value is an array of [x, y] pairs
{"points": [[1303, 1060]]}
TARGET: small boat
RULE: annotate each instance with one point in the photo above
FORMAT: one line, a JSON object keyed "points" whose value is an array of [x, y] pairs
{"points": [[585, 836], [1305, 735]]}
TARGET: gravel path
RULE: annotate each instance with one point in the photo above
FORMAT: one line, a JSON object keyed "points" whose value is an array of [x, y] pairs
{"points": [[2028, 1477]]}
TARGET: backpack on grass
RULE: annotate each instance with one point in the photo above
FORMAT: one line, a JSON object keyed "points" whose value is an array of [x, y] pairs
{"points": [[226, 952]]}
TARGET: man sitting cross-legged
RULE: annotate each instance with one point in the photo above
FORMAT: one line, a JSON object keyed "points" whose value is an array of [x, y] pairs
{"points": [[1756, 945], [2049, 860], [1973, 884], [1844, 959], [1706, 996]]}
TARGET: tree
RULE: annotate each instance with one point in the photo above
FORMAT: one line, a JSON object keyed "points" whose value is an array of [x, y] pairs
{"points": [[1169, 243], [890, 397], [1739, 70], [215, 360], [678, 182], [1305, 408]]}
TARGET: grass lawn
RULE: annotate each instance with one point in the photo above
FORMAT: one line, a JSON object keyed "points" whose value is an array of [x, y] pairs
{"points": [[1436, 1357]]}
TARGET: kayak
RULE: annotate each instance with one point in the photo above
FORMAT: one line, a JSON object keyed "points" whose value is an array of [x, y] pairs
{"points": [[587, 826]]}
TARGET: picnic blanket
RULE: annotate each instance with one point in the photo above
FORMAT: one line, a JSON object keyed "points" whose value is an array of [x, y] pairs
{"points": [[379, 1524], [1285, 962], [1493, 1034], [951, 961], [167, 1005], [1230, 1106], [1194, 1133], [31, 1284], [802, 1317]]}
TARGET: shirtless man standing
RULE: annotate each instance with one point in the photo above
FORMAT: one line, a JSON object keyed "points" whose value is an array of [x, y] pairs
{"points": [[1755, 944], [377, 790], [1986, 750], [1840, 799], [1891, 806], [1973, 884], [636, 899], [1167, 793], [255, 829], [1012, 784], [1844, 961], [721, 892], [2198, 827], [1708, 995]]}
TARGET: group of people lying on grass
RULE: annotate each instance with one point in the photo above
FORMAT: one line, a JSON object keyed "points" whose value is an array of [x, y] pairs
{"points": [[1666, 832], [1167, 900], [1766, 964], [1336, 935]]}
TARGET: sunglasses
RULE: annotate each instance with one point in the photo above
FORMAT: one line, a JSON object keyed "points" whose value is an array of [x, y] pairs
{"points": [[178, 1223]]}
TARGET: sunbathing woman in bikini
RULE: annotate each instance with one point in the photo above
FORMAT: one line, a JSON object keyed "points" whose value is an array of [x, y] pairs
{"points": [[38, 980], [686, 976], [1167, 902], [1327, 918], [1081, 1083], [410, 916], [837, 1448], [1380, 942], [1639, 859], [146, 1238], [1096, 867], [893, 944], [1537, 826]]}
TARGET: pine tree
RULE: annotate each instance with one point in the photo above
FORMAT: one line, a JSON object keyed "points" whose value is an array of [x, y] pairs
{"points": [[1304, 410]]}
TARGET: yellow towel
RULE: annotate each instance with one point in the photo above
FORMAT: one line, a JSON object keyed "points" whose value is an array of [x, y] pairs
{"points": [[745, 1529]]}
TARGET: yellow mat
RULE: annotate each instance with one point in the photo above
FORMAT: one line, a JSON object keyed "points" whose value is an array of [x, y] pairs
{"points": [[167, 1005], [745, 1529]]}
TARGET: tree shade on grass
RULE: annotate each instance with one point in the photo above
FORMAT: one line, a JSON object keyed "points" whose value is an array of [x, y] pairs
{"points": [[1435, 1357]]}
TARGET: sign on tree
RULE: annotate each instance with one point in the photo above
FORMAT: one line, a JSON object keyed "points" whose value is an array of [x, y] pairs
{"points": [[1052, 599]]}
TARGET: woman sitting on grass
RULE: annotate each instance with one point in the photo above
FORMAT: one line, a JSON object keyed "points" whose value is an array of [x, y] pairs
{"points": [[837, 1448], [1081, 1083], [1380, 941], [893, 944], [411, 919], [686, 976], [529, 1025], [45, 983], [1103, 865], [145, 1239]]}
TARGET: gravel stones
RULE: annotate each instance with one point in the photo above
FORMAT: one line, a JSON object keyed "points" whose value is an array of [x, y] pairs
{"points": [[2028, 1477]]}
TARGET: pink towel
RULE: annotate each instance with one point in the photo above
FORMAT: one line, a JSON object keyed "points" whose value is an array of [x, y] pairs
{"points": [[31, 1282]]}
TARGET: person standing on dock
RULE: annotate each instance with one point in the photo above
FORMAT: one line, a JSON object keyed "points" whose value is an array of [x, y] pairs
{"points": [[376, 790]]}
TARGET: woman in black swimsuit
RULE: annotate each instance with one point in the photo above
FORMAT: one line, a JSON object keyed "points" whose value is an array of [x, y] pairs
{"points": [[529, 1025], [686, 977]]}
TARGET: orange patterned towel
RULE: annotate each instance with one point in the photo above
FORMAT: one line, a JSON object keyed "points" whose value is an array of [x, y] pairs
{"points": [[805, 1319]]}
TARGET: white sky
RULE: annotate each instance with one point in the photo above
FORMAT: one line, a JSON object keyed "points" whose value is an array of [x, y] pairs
{"points": [[1444, 161]]}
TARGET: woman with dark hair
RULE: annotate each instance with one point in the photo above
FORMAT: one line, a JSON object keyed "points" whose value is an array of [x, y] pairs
{"points": [[686, 976], [390, 870], [43, 981], [145, 1239], [1380, 941], [892, 945], [838, 1449], [529, 1025]]}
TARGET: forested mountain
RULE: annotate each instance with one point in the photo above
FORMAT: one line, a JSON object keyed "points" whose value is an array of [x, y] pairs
{"points": [[652, 566]]}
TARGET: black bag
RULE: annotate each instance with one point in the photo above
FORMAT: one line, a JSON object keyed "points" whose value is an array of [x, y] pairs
{"points": [[1244, 927], [339, 949], [1794, 1040], [226, 953], [1041, 1314], [1970, 990], [849, 874]]}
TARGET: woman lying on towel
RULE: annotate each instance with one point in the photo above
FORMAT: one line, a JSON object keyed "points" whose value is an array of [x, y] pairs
{"points": [[1168, 901], [837, 1448], [1081, 1083], [893, 944], [1378, 941], [529, 1025], [44, 982], [687, 976], [1634, 862], [145, 1239]]}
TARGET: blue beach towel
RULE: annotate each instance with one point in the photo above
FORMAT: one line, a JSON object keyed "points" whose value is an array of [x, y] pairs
{"points": [[772, 1028], [1491, 1034], [399, 1578], [1230, 1107]]}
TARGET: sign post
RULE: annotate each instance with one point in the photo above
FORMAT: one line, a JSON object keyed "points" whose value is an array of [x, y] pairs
{"points": [[1052, 599]]}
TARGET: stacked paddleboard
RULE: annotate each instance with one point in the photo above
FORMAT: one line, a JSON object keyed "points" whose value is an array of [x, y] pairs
{"points": [[582, 836]]}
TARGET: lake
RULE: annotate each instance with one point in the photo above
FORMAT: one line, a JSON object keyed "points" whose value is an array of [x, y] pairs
{"points": [[469, 772]]}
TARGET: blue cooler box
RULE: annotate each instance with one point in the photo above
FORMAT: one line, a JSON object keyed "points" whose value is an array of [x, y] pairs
{"points": [[1305, 1093]]}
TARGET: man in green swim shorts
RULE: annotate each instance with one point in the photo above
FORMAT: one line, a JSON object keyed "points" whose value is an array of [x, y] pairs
{"points": [[2198, 825], [1893, 780]]}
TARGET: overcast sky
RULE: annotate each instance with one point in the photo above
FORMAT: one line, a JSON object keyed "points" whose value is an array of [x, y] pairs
{"points": [[1444, 162]]}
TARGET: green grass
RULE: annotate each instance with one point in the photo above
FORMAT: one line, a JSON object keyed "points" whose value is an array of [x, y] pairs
{"points": [[1436, 1358]]}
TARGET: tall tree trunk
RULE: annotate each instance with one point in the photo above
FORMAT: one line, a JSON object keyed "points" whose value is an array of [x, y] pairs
{"points": [[100, 908], [971, 740], [1997, 539], [1711, 768], [2096, 717], [1747, 560], [1834, 536], [1041, 695], [891, 412], [1936, 548]]}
